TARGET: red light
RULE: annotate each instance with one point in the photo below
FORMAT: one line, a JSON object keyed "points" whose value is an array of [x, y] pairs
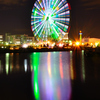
{"points": [[69, 6]]}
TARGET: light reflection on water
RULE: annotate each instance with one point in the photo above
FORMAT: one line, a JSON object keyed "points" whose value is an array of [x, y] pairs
{"points": [[15, 62], [71, 66], [54, 75], [51, 77], [7, 63], [52, 72], [83, 66]]}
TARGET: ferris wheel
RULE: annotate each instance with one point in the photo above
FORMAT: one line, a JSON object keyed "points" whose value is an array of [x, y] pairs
{"points": [[50, 19]]}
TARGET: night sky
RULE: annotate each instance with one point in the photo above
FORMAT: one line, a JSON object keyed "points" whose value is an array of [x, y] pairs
{"points": [[15, 17]]}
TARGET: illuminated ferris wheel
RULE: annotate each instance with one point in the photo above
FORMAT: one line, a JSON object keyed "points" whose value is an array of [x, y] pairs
{"points": [[50, 19]]}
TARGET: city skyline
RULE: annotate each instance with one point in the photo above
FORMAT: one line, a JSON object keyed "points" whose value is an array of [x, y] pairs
{"points": [[15, 17]]}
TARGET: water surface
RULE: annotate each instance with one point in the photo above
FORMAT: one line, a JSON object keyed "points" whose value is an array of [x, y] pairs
{"points": [[68, 75]]}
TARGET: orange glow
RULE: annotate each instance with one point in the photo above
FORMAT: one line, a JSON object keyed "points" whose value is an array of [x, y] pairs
{"points": [[70, 43], [16, 48], [39, 47], [60, 45], [80, 31], [71, 66], [11, 48], [48, 42], [82, 43], [77, 43]]}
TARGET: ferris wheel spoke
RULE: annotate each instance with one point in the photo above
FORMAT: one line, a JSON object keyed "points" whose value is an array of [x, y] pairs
{"points": [[55, 3], [37, 25], [60, 30], [59, 6], [35, 22], [61, 19], [37, 17], [39, 29], [42, 30], [62, 14], [61, 9], [62, 25], [52, 3], [39, 8], [40, 3], [37, 14], [49, 3], [55, 30], [44, 6]]}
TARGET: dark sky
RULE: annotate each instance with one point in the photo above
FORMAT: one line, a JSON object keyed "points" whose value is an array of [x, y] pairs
{"points": [[15, 17]]}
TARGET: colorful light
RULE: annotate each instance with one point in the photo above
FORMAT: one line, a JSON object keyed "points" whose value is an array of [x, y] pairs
{"points": [[35, 70], [60, 45], [25, 65], [83, 66], [77, 43], [25, 46], [49, 64], [61, 66], [71, 66], [80, 36], [96, 44], [7, 63], [50, 19]]}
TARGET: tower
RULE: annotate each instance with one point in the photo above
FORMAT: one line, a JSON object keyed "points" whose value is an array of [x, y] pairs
{"points": [[80, 34]]}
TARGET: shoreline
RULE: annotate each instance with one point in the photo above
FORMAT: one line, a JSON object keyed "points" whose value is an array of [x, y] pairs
{"points": [[29, 50]]}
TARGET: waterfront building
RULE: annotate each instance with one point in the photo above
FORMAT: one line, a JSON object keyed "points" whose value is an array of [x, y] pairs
{"points": [[18, 39], [7, 37], [91, 41], [12, 39], [17, 42], [1, 38], [65, 39]]}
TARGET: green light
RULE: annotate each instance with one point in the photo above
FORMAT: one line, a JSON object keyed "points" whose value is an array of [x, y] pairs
{"points": [[96, 44], [52, 15], [83, 66], [70, 41], [35, 69], [6, 43], [65, 29], [7, 63], [34, 52], [47, 18]]}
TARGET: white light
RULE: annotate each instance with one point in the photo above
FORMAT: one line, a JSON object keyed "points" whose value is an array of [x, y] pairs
{"points": [[60, 45], [25, 65], [25, 46]]}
